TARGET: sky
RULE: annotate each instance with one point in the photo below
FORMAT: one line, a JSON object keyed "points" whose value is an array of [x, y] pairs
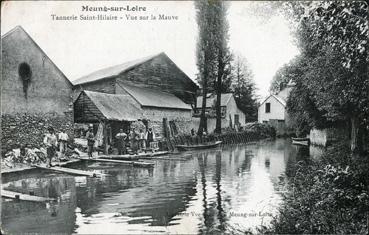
{"points": [[79, 47]]}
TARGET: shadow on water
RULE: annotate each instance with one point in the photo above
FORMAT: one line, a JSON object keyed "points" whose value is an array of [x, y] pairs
{"points": [[231, 189]]}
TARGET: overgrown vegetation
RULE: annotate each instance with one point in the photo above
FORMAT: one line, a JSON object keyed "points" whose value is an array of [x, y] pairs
{"points": [[331, 72], [325, 196]]}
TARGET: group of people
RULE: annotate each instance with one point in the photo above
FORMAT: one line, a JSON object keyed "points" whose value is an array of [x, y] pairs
{"points": [[136, 141], [54, 143]]}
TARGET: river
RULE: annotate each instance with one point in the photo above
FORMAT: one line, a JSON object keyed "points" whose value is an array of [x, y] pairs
{"points": [[234, 189]]}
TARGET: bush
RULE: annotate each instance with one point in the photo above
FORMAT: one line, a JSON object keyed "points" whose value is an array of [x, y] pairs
{"points": [[329, 195], [263, 129]]}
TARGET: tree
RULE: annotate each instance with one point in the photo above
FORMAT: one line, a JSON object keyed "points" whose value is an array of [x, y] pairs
{"points": [[244, 89], [332, 37], [223, 55], [282, 77], [205, 54], [213, 57]]}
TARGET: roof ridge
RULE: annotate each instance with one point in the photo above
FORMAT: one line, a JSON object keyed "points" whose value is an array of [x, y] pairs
{"points": [[12, 30], [19, 27], [135, 63]]}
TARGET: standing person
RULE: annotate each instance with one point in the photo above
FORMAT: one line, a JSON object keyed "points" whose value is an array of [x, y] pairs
{"points": [[142, 140], [51, 144], [149, 136], [133, 138], [90, 141], [121, 142], [63, 140], [192, 132]]}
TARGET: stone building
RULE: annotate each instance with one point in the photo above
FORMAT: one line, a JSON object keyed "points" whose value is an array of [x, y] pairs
{"points": [[34, 92], [162, 94], [273, 110], [231, 114]]}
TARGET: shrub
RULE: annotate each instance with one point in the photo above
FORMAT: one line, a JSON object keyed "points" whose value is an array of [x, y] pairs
{"points": [[329, 195], [263, 129]]}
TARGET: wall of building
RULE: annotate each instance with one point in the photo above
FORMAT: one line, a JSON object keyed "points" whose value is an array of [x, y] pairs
{"points": [[163, 73], [105, 86], [182, 119], [48, 89], [232, 110], [212, 123], [47, 100], [324, 137], [277, 110]]}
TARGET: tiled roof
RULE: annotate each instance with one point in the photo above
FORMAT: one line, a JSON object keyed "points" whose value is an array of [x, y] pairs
{"points": [[115, 107], [155, 98], [211, 99]]}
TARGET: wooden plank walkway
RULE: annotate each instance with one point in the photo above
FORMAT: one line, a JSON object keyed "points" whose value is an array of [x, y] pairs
{"points": [[113, 160], [24, 197], [135, 156], [69, 171]]}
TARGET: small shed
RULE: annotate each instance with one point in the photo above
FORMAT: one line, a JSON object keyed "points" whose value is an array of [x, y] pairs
{"points": [[112, 111]]}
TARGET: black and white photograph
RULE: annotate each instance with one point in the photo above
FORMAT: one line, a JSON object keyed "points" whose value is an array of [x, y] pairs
{"points": [[184, 117]]}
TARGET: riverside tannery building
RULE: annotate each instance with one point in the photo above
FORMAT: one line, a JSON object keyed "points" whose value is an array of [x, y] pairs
{"points": [[151, 90], [34, 93]]}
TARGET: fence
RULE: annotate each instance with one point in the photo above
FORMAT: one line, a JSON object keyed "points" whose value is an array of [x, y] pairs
{"points": [[226, 138]]}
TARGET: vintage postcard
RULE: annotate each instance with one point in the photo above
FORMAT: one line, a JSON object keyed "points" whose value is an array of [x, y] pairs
{"points": [[184, 117]]}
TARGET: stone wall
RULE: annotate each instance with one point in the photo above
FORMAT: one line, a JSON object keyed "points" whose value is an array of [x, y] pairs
{"points": [[324, 137], [29, 129], [182, 119]]}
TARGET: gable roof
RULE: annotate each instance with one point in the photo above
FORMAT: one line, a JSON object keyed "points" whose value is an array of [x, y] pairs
{"points": [[155, 98], [279, 99], [211, 99], [116, 70], [115, 107], [113, 70], [19, 28]]}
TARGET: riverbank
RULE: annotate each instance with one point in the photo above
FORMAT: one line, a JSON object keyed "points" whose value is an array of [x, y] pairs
{"points": [[326, 196], [20, 167]]}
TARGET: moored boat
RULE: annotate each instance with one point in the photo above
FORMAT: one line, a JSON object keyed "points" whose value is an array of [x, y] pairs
{"points": [[301, 141], [198, 146]]}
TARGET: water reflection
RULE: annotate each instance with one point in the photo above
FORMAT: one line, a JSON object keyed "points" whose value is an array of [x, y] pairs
{"points": [[232, 189]]}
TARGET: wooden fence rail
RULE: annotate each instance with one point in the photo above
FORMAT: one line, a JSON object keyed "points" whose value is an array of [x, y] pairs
{"points": [[226, 138]]}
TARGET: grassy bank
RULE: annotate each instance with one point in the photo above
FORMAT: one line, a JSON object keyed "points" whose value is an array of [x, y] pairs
{"points": [[328, 195]]}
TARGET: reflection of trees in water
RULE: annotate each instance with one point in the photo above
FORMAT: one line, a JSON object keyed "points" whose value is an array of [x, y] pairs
{"points": [[296, 154], [221, 216], [159, 193], [202, 159], [214, 215]]}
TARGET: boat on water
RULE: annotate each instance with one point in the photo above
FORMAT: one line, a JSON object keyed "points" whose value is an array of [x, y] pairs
{"points": [[301, 141], [198, 146]]}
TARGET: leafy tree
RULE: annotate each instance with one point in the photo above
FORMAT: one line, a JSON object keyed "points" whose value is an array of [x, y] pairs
{"points": [[205, 53], [223, 54], [213, 56], [332, 37], [244, 89], [282, 77]]}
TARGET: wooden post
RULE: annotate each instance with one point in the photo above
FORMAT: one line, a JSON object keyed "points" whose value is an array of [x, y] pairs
{"points": [[105, 134]]}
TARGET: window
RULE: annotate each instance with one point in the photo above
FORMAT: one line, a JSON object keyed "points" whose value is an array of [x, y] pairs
{"points": [[25, 73], [267, 107], [265, 122], [236, 119], [281, 121]]}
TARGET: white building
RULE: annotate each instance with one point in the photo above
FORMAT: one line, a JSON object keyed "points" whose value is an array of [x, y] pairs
{"points": [[273, 110], [231, 114]]}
